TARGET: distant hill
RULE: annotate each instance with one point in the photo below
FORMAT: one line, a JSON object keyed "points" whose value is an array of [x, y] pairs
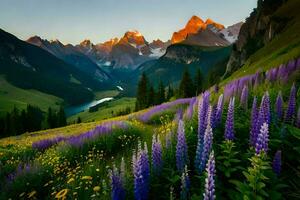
{"points": [[71, 55], [169, 68], [30, 67]]}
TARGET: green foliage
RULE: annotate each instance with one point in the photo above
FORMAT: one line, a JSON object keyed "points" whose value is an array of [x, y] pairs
{"points": [[255, 185], [228, 162]]}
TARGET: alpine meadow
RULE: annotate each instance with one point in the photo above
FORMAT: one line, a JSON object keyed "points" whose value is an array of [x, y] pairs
{"points": [[203, 111]]}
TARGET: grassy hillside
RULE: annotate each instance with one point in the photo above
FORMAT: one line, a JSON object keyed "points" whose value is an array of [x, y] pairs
{"points": [[75, 161], [282, 48], [11, 96]]}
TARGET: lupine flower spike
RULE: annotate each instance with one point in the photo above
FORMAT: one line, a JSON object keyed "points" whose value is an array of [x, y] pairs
{"points": [[262, 139], [181, 148], [209, 193], [279, 106], [229, 127], [254, 115], [185, 184], [291, 109], [156, 154]]}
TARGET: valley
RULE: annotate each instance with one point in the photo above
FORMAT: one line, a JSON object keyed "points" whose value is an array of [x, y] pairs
{"points": [[211, 111]]}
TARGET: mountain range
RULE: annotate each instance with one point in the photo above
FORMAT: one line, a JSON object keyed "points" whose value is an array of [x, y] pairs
{"points": [[76, 72]]}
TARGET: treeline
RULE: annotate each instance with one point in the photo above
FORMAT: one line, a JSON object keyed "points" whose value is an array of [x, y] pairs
{"points": [[30, 119], [148, 96]]}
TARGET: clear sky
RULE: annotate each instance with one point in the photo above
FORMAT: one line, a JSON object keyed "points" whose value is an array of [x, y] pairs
{"points": [[71, 21]]}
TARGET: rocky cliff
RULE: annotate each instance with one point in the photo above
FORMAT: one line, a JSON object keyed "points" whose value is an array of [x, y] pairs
{"points": [[259, 29]]}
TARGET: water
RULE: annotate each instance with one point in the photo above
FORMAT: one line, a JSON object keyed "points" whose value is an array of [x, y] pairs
{"points": [[73, 110]]}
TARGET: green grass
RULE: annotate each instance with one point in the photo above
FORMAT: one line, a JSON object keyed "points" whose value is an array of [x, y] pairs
{"points": [[107, 93], [281, 49], [105, 112], [11, 96]]}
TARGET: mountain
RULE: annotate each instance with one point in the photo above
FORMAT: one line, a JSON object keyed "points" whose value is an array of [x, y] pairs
{"points": [[127, 52], [71, 55], [273, 25], [178, 57], [231, 33], [30, 67], [194, 27]]}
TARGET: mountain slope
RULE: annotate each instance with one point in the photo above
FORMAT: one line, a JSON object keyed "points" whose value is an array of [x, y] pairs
{"points": [[282, 46], [198, 32], [71, 55], [169, 68], [30, 67]]}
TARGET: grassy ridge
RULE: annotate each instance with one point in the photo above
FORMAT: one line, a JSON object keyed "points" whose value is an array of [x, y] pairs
{"points": [[11, 96]]}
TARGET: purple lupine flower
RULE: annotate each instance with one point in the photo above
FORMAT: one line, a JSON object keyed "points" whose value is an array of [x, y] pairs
{"points": [[207, 143], [122, 170], [244, 97], [229, 127], [141, 172], [190, 109], [202, 113], [156, 155], [168, 140], [279, 106], [262, 139], [204, 146], [185, 184], [267, 109], [117, 187], [277, 163], [291, 109], [213, 119], [181, 148], [298, 118], [42, 145], [209, 193], [254, 115], [219, 111], [146, 116], [264, 115]]}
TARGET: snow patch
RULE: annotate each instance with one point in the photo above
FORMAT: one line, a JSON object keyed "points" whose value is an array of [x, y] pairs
{"points": [[156, 53], [120, 88]]}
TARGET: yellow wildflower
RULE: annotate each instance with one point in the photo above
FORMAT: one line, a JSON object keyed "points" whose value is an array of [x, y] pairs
{"points": [[96, 188], [61, 194], [87, 178], [71, 180], [31, 194]]}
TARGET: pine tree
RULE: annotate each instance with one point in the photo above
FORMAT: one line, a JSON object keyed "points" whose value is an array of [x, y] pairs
{"points": [[170, 92], [141, 99], [161, 93], [61, 117], [198, 82], [51, 118], [186, 87], [151, 96], [78, 120]]}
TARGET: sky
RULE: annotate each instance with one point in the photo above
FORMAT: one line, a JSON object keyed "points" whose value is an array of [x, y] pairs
{"points": [[72, 21]]}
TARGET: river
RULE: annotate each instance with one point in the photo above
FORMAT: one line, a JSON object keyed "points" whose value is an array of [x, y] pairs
{"points": [[73, 110]]}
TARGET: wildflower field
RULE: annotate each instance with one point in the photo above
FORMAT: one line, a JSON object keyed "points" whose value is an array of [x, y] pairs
{"points": [[239, 141]]}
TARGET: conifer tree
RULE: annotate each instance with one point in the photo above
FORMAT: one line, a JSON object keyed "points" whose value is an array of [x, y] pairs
{"points": [[161, 93], [141, 99], [198, 82], [170, 92], [151, 96], [61, 117], [186, 87]]}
